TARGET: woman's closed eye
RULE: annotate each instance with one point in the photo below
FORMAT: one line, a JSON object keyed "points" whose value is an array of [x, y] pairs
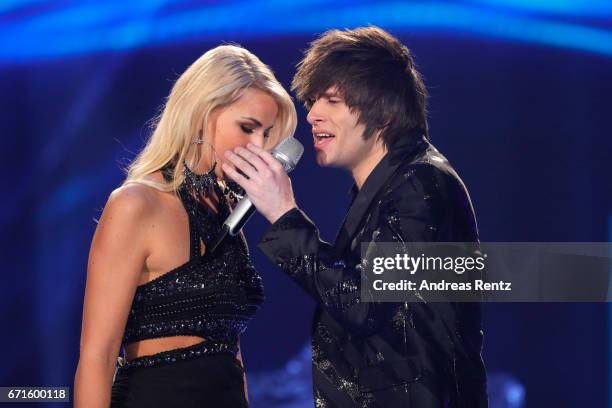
{"points": [[246, 129]]}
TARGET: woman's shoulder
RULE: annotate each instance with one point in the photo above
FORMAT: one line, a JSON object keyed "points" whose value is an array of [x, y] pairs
{"points": [[135, 199]]}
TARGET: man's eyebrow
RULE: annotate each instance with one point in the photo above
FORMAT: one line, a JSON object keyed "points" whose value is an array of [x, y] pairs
{"points": [[258, 123], [329, 94]]}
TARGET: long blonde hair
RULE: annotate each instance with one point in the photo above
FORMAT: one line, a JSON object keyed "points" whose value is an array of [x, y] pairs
{"points": [[214, 80]]}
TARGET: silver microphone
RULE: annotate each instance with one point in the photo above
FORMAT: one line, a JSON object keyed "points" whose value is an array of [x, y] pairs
{"points": [[288, 153]]}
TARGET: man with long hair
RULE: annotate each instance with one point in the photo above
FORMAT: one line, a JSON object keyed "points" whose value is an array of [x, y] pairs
{"points": [[366, 103]]}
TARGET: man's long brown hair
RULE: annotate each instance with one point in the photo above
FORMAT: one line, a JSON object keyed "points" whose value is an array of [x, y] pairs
{"points": [[375, 75]]}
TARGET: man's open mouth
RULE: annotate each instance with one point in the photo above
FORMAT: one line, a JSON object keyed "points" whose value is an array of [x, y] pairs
{"points": [[321, 138]]}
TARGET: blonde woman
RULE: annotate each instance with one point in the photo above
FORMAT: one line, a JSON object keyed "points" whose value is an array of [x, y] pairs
{"points": [[151, 288]]}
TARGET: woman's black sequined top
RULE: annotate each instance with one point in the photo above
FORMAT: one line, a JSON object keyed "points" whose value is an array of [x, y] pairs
{"points": [[211, 296]]}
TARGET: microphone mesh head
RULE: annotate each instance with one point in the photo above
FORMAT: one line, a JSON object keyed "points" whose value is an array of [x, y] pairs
{"points": [[288, 152]]}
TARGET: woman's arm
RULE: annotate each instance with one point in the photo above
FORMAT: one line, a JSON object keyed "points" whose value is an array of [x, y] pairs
{"points": [[239, 358], [116, 259]]}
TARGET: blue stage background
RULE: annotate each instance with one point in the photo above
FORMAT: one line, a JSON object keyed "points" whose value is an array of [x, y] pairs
{"points": [[520, 104]]}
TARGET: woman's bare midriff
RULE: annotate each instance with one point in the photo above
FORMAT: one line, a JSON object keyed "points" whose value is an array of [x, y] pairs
{"points": [[152, 346]]}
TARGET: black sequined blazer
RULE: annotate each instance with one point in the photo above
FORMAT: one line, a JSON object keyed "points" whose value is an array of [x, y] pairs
{"points": [[413, 354]]}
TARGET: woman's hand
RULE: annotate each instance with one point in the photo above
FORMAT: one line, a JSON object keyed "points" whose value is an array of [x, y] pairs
{"points": [[268, 186]]}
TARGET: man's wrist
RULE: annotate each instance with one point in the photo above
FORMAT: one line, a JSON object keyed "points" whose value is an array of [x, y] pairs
{"points": [[279, 214]]}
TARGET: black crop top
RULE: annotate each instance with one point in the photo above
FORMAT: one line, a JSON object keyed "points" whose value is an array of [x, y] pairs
{"points": [[209, 296]]}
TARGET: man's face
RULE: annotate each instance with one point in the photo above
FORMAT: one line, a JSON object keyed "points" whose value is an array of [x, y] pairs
{"points": [[336, 132]]}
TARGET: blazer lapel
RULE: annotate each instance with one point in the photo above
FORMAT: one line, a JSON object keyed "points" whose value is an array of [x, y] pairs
{"points": [[377, 178]]}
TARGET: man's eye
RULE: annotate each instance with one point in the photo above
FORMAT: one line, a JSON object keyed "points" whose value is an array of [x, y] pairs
{"points": [[334, 100], [246, 129]]}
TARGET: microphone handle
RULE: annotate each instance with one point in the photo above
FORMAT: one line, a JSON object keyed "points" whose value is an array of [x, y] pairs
{"points": [[218, 239], [239, 216], [234, 223]]}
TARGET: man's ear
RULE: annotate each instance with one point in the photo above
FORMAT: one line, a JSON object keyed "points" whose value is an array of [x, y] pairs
{"points": [[378, 134], [381, 128], [386, 123]]}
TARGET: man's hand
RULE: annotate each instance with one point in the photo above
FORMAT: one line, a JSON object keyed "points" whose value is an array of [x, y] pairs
{"points": [[268, 186]]}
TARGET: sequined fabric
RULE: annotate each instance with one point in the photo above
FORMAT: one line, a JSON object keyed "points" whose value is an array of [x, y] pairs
{"points": [[212, 295], [383, 354], [205, 348]]}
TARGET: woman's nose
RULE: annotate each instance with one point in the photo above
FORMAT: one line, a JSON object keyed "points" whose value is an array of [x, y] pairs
{"points": [[258, 139]]}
